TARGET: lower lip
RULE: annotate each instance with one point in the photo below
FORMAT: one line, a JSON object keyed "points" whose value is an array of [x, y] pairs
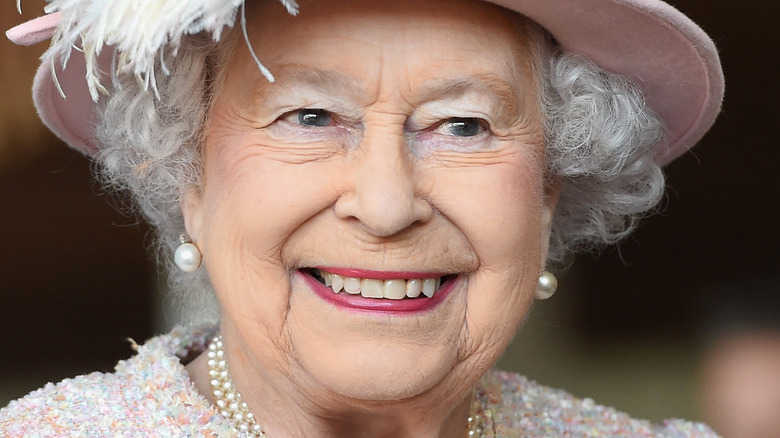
{"points": [[380, 305]]}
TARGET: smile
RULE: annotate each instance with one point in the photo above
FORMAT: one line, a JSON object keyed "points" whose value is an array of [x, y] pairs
{"points": [[394, 289], [380, 291]]}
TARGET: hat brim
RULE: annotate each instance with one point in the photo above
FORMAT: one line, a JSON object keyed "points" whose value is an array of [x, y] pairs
{"points": [[647, 41], [652, 44]]}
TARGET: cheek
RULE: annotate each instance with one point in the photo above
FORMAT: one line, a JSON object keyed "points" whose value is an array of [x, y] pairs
{"points": [[498, 208], [252, 187], [252, 205]]}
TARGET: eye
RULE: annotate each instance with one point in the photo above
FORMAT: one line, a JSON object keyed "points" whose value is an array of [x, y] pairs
{"points": [[462, 127], [313, 117]]}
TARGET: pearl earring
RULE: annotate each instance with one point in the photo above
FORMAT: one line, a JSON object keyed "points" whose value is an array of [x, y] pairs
{"points": [[187, 256], [546, 286]]}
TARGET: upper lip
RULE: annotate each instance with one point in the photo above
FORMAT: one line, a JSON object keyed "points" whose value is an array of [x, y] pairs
{"points": [[382, 275]]}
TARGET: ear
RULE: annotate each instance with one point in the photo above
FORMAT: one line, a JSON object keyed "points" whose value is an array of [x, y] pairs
{"points": [[552, 192], [192, 209]]}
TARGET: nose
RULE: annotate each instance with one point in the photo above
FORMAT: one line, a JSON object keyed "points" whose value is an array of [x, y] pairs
{"points": [[383, 196]]}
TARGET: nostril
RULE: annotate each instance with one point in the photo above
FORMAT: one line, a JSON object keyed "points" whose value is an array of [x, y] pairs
{"points": [[381, 214], [383, 192]]}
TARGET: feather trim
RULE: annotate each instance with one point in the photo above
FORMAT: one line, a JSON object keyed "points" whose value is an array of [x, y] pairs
{"points": [[141, 30]]}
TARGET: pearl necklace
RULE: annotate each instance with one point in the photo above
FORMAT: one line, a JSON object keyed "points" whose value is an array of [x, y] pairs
{"points": [[228, 400], [234, 409]]}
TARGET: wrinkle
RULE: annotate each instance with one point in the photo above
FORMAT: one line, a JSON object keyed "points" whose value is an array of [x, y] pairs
{"points": [[453, 159]]}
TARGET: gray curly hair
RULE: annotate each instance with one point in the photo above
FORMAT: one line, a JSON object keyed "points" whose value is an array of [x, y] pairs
{"points": [[599, 134]]}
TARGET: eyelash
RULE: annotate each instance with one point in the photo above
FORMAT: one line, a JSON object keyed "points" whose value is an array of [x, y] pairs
{"points": [[455, 122], [438, 135], [302, 113]]}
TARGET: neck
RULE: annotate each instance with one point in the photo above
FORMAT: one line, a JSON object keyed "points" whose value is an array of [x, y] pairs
{"points": [[286, 407]]}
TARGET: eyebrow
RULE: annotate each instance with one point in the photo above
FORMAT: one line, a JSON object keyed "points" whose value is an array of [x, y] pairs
{"points": [[337, 83], [484, 84], [330, 82]]}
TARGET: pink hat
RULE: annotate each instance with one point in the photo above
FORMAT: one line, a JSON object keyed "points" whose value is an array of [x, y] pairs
{"points": [[667, 55]]}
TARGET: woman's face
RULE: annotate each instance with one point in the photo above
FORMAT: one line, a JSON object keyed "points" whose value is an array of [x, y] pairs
{"points": [[398, 152]]}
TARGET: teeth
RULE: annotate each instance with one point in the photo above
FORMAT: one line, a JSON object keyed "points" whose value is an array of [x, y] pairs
{"points": [[428, 287], [370, 288], [395, 289], [337, 282], [352, 285], [413, 288]]}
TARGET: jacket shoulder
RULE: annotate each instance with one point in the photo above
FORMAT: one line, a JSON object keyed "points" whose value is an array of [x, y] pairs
{"points": [[149, 394], [523, 408]]}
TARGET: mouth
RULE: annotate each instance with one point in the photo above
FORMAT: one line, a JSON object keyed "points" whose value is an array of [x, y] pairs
{"points": [[391, 288], [380, 291]]}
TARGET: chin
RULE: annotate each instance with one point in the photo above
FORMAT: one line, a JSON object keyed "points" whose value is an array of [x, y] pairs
{"points": [[376, 356], [384, 372]]}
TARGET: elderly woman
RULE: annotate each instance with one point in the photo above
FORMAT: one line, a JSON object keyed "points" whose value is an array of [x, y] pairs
{"points": [[365, 196]]}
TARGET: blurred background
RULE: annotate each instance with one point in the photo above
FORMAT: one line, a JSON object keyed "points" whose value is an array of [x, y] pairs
{"points": [[681, 320]]}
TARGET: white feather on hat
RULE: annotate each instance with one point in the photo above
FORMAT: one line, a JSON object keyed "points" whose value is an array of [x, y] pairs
{"points": [[141, 30]]}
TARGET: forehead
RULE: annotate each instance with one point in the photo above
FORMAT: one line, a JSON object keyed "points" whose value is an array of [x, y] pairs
{"points": [[402, 43]]}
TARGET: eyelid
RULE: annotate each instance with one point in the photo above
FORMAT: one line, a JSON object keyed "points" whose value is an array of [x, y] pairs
{"points": [[434, 126], [338, 118], [428, 142], [435, 113], [484, 125], [337, 134], [334, 118], [305, 97]]}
